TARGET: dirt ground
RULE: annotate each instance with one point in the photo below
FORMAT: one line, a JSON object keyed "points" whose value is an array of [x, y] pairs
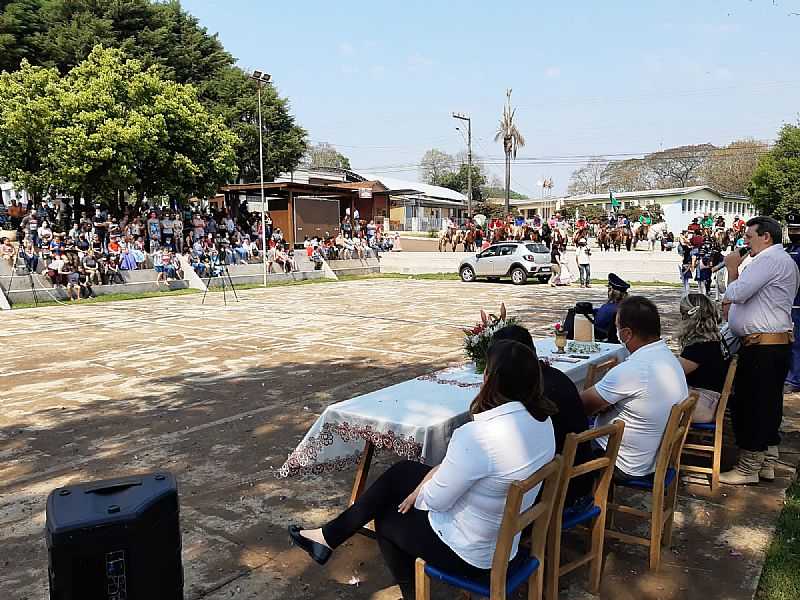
{"points": [[220, 395]]}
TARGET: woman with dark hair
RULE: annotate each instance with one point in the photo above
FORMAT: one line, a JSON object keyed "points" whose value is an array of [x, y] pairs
{"points": [[701, 353], [450, 515]]}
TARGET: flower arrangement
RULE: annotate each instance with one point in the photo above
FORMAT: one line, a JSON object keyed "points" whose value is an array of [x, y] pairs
{"points": [[478, 338], [558, 328]]}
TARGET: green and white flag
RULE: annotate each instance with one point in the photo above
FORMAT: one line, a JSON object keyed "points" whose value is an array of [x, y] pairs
{"points": [[614, 201]]}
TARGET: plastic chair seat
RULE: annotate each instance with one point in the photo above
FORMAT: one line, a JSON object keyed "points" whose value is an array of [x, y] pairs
{"points": [[519, 571], [646, 482], [575, 515], [705, 426]]}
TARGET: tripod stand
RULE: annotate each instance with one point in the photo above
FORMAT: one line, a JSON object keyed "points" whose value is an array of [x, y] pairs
{"points": [[226, 274], [14, 270]]}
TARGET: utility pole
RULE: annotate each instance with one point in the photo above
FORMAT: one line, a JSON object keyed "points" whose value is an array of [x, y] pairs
{"points": [[463, 117], [262, 78]]}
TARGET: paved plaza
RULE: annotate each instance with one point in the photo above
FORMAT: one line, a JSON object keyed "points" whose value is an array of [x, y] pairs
{"points": [[220, 395]]}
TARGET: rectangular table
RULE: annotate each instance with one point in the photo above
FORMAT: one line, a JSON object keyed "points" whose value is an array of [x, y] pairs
{"points": [[414, 419]]}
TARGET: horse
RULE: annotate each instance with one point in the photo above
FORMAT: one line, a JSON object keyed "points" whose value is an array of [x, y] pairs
{"points": [[627, 237], [655, 233], [468, 239], [603, 239], [616, 238], [451, 237]]}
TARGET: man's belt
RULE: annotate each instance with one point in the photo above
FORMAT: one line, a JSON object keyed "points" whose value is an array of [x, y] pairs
{"points": [[768, 339]]}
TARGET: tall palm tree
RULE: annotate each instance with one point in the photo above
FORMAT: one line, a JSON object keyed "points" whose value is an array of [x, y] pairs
{"points": [[512, 141]]}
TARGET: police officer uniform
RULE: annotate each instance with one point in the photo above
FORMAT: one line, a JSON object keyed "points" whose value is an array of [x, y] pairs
{"points": [[605, 328], [793, 248]]}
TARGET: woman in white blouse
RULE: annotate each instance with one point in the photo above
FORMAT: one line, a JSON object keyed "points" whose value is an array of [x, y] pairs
{"points": [[450, 515]]}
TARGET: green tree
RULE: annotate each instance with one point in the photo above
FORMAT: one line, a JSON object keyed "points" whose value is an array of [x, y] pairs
{"points": [[20, 23], [29, 114], [435, 164], [459, 181], [126, 129], [62, 33], [775, 188], [325, 155]]}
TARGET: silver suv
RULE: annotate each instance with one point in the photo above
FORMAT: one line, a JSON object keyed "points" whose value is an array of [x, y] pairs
{"points": [[518, 260]]}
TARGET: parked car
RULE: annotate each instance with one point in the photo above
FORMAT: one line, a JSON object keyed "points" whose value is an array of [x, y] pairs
{"points": [[518, 260]]}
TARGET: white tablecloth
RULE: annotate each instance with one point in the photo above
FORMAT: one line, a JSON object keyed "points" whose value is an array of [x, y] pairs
{"points": [[414, 419]]}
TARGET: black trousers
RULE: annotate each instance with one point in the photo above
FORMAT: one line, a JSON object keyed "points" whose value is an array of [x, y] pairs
{"points": [[757, 407], [402, 538]]}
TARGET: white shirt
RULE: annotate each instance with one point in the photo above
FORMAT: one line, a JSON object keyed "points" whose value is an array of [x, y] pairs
{"points": [[583, 255], [642, 391], [467, 495], [762, 297]]}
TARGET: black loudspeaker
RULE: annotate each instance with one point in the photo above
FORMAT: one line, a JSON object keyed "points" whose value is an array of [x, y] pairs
{"points": [[118, 539]]}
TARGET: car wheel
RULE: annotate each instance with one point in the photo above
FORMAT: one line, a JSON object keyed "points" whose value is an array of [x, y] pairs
{"points": [[467, 274], [543, 279], [518, 276]]}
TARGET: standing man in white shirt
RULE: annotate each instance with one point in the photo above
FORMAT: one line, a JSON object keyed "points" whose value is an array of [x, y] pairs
{"points": [[582, 254], [758, 305], [641, 391]]}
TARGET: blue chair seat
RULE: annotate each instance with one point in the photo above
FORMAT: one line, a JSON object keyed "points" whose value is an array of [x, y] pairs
{"points": [[646, 482], [519, 571], [575, 515], [705, 426]]}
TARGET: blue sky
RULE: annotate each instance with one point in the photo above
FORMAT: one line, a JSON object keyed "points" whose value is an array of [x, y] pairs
{"points": [[379, 80]]}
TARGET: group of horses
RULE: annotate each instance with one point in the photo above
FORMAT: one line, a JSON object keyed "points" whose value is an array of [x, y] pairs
{"points": [[614, 238], [451, 238]]}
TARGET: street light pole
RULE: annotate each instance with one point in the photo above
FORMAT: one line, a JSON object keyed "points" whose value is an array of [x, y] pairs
{"points": [[464, 117], [262, 78]]}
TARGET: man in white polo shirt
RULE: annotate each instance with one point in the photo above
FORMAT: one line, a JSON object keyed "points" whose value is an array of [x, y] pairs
{"points": [[640, 391]]}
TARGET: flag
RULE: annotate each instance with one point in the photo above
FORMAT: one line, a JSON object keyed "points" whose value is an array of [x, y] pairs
{"points": [[614, 201]]}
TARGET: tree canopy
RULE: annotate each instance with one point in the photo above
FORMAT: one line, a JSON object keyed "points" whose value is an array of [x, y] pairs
{"points": [[435, 164], [727, 169], [325, 155], [62, 33], [775, 188], [110, 127]]}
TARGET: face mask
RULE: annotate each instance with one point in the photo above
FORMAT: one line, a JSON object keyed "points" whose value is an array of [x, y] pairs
{"points": [[625, 342]]}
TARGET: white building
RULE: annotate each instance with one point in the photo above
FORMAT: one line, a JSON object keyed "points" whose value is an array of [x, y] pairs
{"points": [[680, 205]]}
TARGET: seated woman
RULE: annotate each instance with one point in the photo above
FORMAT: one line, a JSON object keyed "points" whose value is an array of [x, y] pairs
{"points": [[570, 417], [450, 515], [605, 329], [701, 353]]}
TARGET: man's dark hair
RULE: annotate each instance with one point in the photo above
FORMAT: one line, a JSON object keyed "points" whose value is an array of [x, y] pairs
{"points": [[640, 315], [767, 225], [516, 333]]}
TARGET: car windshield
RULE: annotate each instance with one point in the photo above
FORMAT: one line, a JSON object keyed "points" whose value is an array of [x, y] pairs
{"points": [[537, 248]]}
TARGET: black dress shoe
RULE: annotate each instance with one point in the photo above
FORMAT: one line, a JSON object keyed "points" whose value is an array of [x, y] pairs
{"points": [[319, 552]]}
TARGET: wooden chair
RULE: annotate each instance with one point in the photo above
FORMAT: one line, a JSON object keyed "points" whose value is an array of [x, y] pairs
{"points": [[663, 485], [594, 513], [503, 581], [705, 439], [597, 371]]}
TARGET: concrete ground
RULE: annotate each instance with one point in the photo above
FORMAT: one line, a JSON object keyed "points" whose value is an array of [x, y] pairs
{"points": [[220, 395]]}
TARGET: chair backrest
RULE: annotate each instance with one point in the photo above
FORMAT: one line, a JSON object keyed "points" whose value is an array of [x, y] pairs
{"points": [[515, 521], [598, 370], [726, 392], [669, 452], [604, 464]]}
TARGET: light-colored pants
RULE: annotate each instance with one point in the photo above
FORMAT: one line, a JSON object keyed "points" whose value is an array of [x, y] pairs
{"points": [[555, 270]]}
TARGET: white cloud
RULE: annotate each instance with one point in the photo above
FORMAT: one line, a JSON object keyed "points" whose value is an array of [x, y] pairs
{"points": [[552, 72]]}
